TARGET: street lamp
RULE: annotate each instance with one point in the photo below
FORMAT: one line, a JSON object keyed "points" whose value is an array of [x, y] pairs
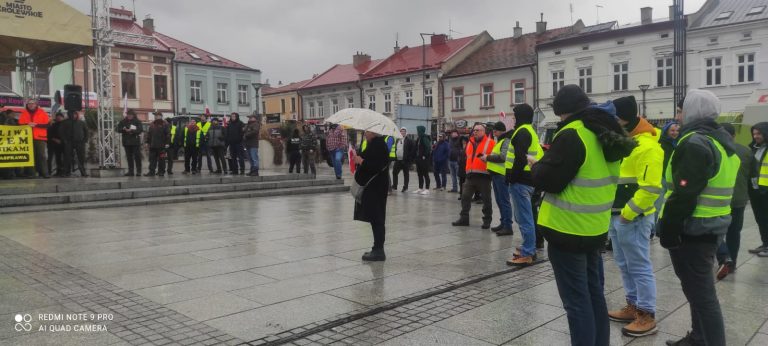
{"points": [[644, 88], [257, 87]]}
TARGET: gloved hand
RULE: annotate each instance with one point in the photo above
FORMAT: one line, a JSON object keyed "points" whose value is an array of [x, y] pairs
{"points": [[669, 234]]}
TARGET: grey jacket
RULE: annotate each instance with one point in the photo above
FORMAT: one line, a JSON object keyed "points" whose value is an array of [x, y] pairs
{"points": [[216, 136]]}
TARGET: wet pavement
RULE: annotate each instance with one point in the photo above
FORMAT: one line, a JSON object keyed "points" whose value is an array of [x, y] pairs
{"points": [[287, 270]]}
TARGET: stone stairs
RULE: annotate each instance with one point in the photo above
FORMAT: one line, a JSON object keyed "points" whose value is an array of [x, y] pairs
{"points": [[64, 194]]}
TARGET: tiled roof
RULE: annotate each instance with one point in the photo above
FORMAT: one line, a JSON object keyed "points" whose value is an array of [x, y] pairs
{"points": [[183, 51], [130, 27], [739, 12], [506, 53], [410, 59], [285, 88], [340, 74]]}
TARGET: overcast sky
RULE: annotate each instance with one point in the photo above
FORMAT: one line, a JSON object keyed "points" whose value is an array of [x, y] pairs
{"points": [[290, 40]]}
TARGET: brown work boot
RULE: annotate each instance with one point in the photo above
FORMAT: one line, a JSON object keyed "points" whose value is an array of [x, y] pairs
{"points": [[644, 324], [626, 314]]}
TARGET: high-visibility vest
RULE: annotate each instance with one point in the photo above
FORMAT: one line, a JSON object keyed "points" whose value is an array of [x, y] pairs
{"points": [[498, 168], [197, 137], [640, 175], [40, 117], [583, 208], [173, 133], [364, 145], [762, 179], [715, 199], [474, 164], [534, 149], [392, 146], [204, 127]]}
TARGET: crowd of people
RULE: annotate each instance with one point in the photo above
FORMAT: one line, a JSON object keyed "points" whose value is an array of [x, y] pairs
{"points": [[609, 177]]}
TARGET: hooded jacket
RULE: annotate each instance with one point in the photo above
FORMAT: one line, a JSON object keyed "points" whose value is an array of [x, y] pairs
{"points": [[251, 134], [520, 144], [442, 151], [158, 134], [760, 153], [216, 136], [640, 178], [130, 137], [423, 144], [501, 157], [235, 132], [73, 131]]}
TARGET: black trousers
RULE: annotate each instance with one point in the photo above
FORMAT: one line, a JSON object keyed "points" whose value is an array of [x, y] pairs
{"points": [[133, 156], [477, 183], [190, 159], [218, 158], [693, 263], [422, 171], [294, 159], [308, 162], [535, 205], [236, 155], [204, 151], [155, 161], [378, 235], [759, 203], [461, 185], [729, 250], [403, 166], [41, 164], [55, 154], [172, 151], [71, 149]]}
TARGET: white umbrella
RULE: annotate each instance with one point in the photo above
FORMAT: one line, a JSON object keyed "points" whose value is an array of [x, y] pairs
{"points": [[365, 120]]}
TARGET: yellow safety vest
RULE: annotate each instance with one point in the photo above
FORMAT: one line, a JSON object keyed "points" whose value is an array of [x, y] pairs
{"points": [[204, 128], [762, 179], [498, 168], [173, 133], [392, 150], [534, 149], [583, 208], [197, 137]]}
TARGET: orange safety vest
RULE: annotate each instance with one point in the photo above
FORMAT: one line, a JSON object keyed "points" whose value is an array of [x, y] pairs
{"points": [[40, 117], [474, 164]]}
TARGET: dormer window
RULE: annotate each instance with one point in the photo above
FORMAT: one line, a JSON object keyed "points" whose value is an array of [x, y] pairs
{"points": [[620, 42], [756, 10], [194, 55], [214, 58], [724, 15], [557, 52], [664, 35]]}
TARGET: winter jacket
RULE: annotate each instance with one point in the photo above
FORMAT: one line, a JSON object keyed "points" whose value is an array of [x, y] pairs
{"points": [[640, 178], [251, 134], [760, 153], [130, 137], [667, 144], [54, 134], [462, 164], [566, 155], [423, 144], [293, 145], [442, 151], [501, 157], [456, 150], [741, 189], [216, 136], [309, 141], [373, 206], [73, 131], [234, 133], [41, 120], [158, 135], [191, 140], [520, 144]]}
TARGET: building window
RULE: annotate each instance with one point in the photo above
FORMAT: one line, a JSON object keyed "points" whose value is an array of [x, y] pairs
{"points": [[426, 76], [372, 102], [714, 71], [282, 106], [221, 93], [196, 91], [558, 81], [458, 99], [214, 58], [487, 92], [387, 103], [350, 102], [724, 15], [161, 87], [311, 109], [242, 95], [587, 47], [127, 56], [756, 10], [159, 60], [664, 35], [334, 105], [428, 97], [746, 65], [320, 109], [585, 79], [293, 105], [386, 82], [128, 83], [620, 42], [557, 52], [263, 106], [621, 76], [5, 82], [194, 55], [409, 97], [407, 79], [518, 93], [664, 72]]}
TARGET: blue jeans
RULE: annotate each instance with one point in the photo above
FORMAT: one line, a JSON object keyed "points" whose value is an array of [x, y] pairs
{"points": [[501, 192], [578, 283], [253, 154], [336, 157], [632, 253], [521, 197], [454, 167]]}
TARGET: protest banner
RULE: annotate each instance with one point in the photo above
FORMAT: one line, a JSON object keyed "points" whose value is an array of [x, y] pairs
{"points": [[16, 149]]}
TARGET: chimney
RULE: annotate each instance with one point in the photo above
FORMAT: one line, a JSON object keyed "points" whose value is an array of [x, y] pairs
{"points": [[359, 58], [541, 26], [149, 25], [518, 31], [646, 15], [439, 39], [397, 47], [671, 12]]}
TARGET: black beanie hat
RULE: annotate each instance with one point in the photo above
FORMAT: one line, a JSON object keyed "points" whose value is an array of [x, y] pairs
{"points": [[523, 113], [626, 108], [570, 99], [499, 126]]}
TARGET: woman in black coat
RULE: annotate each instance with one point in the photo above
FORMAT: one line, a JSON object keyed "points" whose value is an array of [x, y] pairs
{"points": [[373, 207]]}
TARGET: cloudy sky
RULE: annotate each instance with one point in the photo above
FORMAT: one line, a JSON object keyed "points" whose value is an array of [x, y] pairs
{"points": [[290, 40]]}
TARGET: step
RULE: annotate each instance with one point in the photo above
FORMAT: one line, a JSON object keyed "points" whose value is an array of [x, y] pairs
{"points": [[155, 192], [331, 188]]}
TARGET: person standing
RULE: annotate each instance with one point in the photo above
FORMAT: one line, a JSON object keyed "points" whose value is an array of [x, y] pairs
{"points": [[453, 160], [440, 157], [308, 151], [405, 152], [524, 142], [204, 126], [462, 164], [293, 149], [74, 135], [700, 178], [633, 219], [192, 136], [423, 153], [235, 143], [158, 139], [56, 146], [478, 180], [372, 173], [216, 140], [130, 127], [39, 120], [758, 193], [497, 168], [578, 174], [728, 252], [251, 136], [336, 142]]}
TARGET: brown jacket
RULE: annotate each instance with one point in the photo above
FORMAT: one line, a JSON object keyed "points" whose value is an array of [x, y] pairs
{"points": [[251, 134]]}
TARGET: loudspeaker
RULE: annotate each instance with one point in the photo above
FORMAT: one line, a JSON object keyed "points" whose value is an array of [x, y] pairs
{"points": [[73, 97]]}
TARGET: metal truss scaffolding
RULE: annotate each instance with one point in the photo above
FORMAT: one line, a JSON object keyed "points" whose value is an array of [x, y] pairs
{"points": [[679, 64], [102, 44]]}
